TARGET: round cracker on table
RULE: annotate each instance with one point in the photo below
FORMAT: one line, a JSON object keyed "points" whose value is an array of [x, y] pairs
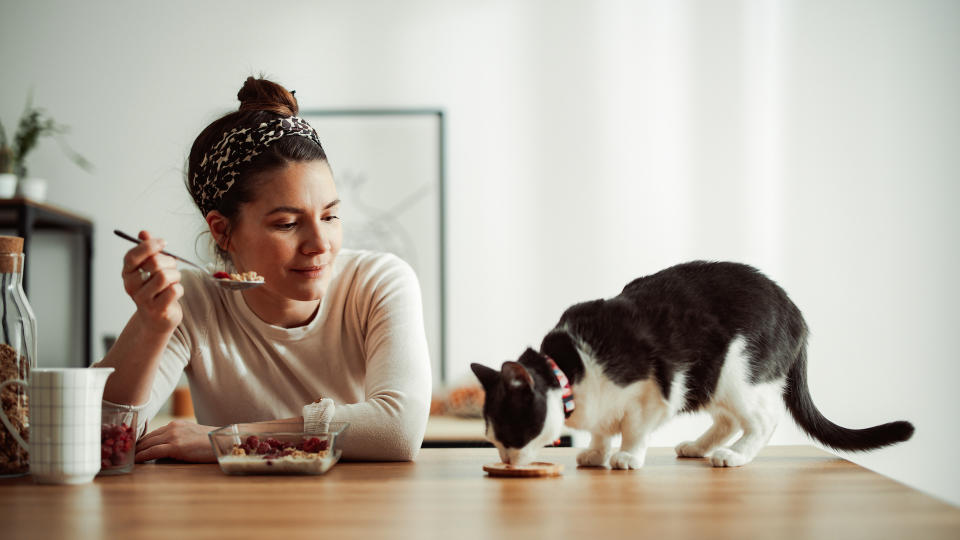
{"points": [[537, 469]]}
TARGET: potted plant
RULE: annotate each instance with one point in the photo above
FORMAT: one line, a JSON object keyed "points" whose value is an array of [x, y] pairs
{"points": [[8, 178], [34, 124]]}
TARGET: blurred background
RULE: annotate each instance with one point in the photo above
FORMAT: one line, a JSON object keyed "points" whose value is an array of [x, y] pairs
{"points": [[587, 143]]}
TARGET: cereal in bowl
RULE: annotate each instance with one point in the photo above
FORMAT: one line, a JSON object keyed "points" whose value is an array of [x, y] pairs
{"points": [[309, 456]]}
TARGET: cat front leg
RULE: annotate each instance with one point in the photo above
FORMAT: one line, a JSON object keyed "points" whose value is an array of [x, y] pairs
{"points": [[635, 430], [632, 454], [598, 452]]}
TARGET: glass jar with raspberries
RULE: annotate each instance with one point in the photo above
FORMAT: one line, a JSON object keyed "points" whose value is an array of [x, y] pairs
{"points": [[118, 440]]}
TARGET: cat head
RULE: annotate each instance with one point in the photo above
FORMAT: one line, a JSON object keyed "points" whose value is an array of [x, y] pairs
{"points": [[523, 408]]}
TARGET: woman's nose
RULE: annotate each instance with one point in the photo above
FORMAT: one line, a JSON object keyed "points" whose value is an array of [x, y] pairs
{"points": [[316, 245], [316, 241]]}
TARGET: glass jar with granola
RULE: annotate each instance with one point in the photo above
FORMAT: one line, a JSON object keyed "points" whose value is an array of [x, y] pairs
{"points": [[18, 354]]}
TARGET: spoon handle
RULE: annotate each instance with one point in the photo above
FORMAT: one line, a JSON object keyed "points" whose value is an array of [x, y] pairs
{"points": [[126, 236]]}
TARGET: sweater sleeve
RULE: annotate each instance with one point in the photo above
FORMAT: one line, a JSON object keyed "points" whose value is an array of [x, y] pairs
{"points": [[389, 425], [174, 360]]}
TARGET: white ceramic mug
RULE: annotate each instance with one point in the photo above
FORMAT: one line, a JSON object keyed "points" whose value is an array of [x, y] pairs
{"points": [[64, 423]]}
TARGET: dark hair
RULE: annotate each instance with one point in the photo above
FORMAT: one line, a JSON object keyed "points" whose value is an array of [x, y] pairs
{"points": [[261, 100]]}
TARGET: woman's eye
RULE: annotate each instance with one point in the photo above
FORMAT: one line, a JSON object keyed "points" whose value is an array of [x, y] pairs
{"points": [[285, 226], [330, 218]]}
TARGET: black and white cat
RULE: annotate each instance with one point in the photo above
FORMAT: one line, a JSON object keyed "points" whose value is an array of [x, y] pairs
{"points": [[713, 336]]}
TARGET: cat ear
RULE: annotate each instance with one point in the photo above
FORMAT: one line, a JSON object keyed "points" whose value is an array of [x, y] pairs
{"points": [[488, 376], [516, 376], [530, 355]]}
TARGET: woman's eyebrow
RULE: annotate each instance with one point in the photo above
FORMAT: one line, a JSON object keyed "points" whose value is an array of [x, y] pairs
{"points": [[295, 210], [286, 210]]}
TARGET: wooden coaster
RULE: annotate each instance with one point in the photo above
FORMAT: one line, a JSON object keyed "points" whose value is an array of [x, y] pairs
{"points": [[537, 469]]}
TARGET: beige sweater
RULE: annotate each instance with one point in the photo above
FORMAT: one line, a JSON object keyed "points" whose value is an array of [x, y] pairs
{"points": [[366, 349]]}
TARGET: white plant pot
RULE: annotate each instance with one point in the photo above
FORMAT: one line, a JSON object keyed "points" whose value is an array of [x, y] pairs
{"points": [[8, 185], [34, 189]]}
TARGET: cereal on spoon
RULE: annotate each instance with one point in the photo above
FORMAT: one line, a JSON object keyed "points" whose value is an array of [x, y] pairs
{"points": [[245, 276]]}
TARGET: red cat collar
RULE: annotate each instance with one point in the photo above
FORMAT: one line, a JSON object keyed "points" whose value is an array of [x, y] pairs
{"points": [[565, 384]]}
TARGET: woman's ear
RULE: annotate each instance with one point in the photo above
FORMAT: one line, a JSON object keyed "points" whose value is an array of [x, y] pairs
{"points": [[219, 227]]}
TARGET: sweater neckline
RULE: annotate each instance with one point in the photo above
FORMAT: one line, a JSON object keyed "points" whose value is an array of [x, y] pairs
{"points": [[273, 331]]}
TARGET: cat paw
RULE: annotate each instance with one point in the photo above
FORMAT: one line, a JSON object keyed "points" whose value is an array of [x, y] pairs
{"points": [[625, 460], [690, 449], [591, 458], [725, 457]]}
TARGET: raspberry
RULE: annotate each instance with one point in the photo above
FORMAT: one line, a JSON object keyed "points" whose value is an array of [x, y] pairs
{"points": [[273, 443], [221, 275], [264, 448], [251, 444], [313, 445]]}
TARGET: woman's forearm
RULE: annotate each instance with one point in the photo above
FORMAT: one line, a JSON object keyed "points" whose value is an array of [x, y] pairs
{"points": [[383, 429], [152, 280], [134, 357]]}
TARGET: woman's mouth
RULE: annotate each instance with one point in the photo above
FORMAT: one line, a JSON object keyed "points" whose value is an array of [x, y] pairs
{"points": [[310, 272]]}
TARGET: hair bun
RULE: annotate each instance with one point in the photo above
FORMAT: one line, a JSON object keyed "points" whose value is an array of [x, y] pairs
{"points": [[264, 95]]}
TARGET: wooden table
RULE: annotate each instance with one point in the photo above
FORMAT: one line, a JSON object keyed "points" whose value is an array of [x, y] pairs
{"points": [[788, 492]]}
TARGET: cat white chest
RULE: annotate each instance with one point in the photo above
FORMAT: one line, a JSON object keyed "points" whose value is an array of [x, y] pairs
{"points": [[600, 404]]}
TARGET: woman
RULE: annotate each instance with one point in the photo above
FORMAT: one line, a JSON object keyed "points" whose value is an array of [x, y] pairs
{"points": [[331, 335]]}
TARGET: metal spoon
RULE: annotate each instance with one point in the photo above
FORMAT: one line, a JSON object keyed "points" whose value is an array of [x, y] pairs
{"points": [[226, 283]]}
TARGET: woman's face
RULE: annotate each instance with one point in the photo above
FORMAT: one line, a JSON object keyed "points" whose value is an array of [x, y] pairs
{"points": [[290, 233]]}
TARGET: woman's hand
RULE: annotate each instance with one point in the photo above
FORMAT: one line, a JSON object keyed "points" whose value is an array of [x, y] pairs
{"points": [[180, 439], [153, 282]]}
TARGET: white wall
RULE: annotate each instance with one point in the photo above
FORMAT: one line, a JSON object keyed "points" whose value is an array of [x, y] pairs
{"points": [[589, 143]]}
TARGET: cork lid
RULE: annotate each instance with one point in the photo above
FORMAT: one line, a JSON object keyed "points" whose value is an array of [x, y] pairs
{"points": [[10, 245]]}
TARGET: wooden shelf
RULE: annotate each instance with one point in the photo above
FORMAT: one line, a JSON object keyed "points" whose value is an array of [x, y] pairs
{"points": [[27, 217]]}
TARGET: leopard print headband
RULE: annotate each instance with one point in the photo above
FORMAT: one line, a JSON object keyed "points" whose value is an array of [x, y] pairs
{"points": [[219, 167]]}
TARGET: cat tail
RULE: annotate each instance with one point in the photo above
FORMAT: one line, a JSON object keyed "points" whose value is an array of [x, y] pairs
{"points": [[801, 407]]}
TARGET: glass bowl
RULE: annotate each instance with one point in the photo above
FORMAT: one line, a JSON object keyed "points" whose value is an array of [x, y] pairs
{"points": [[276, 448], [118, 440]]}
